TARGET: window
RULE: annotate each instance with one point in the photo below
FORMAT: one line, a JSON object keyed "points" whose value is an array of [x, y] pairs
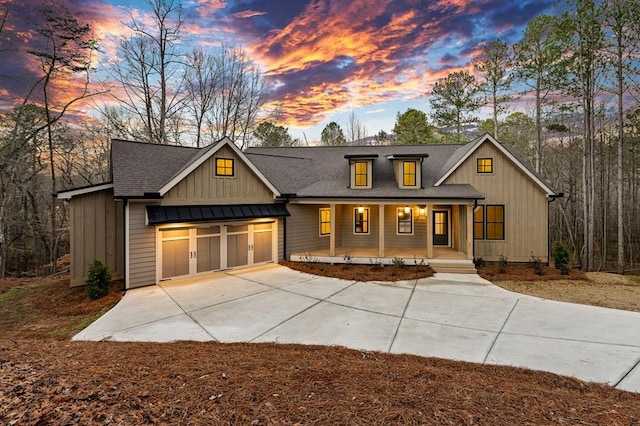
{"points": [[478, 223], [361, 174], [361, 220], [405, 221], [488, 222], [409, 173], [495, 222], [224, 166], [485, 165], [325, 221]]}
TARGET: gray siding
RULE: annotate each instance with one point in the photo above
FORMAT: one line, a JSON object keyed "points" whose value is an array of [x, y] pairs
{"points": [[280, 240], [303, 229], [96, 233], [142, 248], [345, 223], [393, 240]]}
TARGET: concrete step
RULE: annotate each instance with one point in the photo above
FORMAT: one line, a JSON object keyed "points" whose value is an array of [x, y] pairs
{"points": [[453, 266]]}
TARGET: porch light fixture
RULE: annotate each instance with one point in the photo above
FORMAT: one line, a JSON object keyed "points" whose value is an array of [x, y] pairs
{"points": [[407, 209], [360, 209], [422, 212]]}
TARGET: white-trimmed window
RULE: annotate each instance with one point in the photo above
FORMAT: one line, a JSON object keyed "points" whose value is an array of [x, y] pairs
{"points": [[404, 221], [325, 221], [361, 220]]}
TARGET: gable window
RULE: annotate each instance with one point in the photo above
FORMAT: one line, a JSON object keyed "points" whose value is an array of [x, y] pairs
{"points": [[361, 173], [405, 221], [488, 222], [325, 221], [485, 165], [361, 220], [409, 173], [224, 167]]}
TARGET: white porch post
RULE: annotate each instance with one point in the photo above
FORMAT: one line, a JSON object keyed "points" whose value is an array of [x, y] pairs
{"points": [[469, 231], [381, 230], [429, 231], [332, 229]]}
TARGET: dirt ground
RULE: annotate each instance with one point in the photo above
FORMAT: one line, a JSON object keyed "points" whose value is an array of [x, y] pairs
{"points": [[47, 379]]}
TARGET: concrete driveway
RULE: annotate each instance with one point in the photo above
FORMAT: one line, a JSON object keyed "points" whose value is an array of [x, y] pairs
{"points": [[460, 317]]}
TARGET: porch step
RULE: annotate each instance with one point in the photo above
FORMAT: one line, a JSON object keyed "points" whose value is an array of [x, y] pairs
{"points": [[453, 266]]}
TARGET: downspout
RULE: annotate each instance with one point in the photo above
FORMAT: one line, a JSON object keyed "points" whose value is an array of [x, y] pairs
{"points": [[124, 244]]}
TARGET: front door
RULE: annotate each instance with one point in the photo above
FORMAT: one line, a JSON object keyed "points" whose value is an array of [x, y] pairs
{"points": [[441, 228]]}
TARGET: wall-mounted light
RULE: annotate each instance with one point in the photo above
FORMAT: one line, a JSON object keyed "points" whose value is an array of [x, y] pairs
{"points": [[407, 209], [422, 212], [360, 209]]}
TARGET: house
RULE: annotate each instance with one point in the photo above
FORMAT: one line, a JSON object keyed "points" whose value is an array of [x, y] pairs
{"points": [[172, 211]]}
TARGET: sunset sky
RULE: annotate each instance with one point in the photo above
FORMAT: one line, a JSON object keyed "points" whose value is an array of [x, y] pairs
{"points": [[322, 58]]}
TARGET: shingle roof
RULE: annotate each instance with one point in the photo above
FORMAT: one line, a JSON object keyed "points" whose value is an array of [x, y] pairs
{"points": [[324, 171], [139, 168]]}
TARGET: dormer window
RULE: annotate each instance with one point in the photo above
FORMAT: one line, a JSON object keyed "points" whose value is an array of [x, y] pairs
{"points": [[408, 169], [409, 173], [360, 170], [361, 173]]}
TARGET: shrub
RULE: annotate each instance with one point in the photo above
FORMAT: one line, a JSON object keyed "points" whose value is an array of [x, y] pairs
{"points": [[398, 262], [348, 261], [538, 266], [502, 264], [377, 264], [479, 262], [561, 257], [98, 280]]}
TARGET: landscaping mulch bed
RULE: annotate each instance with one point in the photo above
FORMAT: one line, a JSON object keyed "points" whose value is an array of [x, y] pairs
{"points": [[526, 272], [47, 379], [362, 272]]}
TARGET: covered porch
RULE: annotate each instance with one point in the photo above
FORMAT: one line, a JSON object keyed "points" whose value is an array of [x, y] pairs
{"points": [[428, 234]]}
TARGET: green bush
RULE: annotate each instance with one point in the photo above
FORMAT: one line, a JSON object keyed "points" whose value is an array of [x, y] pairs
{"points": [[479, 262], [98, 280], [502, 264], [561, 257], [538, 265]]}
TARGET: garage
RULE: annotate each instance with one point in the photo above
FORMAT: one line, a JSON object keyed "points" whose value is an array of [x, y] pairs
{"points": [[191, 250]]}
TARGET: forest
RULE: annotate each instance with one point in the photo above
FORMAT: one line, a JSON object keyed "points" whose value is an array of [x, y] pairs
{"points": [[565, 95]]}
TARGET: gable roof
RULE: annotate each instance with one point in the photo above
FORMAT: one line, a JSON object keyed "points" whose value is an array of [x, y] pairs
{"points": [[142, 170], [467, 150], [323, 171]]}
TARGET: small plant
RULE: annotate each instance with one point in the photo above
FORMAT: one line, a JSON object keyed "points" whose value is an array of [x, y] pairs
{"points": [[538, 265], [561, 257], [308, 259], [377, 264], [420, 266], [398, 262], [479, 262], [98, 280], [348, 261], [502, 264]]}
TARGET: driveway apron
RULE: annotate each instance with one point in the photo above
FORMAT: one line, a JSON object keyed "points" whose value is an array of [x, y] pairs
{"points": [[452, 316]]}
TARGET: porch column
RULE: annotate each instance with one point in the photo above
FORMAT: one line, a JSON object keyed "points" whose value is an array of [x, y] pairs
{"points": [[381, 230], [332, 229], [469, 231], [429, 213]]}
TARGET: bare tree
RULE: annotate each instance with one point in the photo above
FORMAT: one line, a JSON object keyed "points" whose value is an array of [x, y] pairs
{"points": [[150, 71], [239, 96], [356, 131], [202, 85]]}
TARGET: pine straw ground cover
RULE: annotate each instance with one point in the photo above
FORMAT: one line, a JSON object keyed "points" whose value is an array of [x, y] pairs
{"points": [[47, 379]]}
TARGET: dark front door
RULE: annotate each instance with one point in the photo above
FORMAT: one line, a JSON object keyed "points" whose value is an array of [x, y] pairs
{"points": [[440, 228]]}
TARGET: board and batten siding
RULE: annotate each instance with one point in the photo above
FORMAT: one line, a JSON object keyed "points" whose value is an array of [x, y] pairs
{"points": [[142, 247], [526, 207], [303, 229], [96, 233], [202, 186]]}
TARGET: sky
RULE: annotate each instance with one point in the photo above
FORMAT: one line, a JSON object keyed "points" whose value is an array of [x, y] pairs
{"points": [[322, 59]]}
